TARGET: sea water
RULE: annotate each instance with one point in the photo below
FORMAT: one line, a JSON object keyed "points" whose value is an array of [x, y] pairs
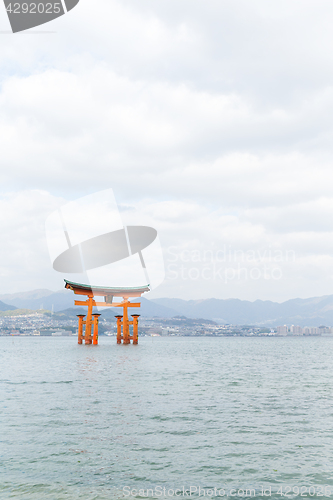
{"points": [[171, 417]]}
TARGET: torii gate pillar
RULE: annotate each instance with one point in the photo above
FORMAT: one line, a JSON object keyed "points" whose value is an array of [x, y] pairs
{"points": [[118, 329], [95, 337], [80, 328], [135, 328]]}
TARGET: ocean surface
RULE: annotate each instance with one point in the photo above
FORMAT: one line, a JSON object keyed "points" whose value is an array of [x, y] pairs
{"points": [[170, 417]]}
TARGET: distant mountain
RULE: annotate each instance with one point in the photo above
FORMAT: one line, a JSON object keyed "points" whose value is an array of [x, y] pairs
{"points": [[70, 313], [6, 307], [41, 299], [63, 301], [32, 294], [314, 311], [16, 312]]}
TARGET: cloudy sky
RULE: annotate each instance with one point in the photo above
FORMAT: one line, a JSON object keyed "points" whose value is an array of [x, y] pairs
{"points": [[211, 120]]}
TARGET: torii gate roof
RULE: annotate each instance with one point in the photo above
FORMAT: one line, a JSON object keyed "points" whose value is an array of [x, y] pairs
{"points": [[82, 289]]}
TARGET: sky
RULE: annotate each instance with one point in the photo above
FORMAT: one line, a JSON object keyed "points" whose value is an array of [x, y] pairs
{"points": [[210, 120]]}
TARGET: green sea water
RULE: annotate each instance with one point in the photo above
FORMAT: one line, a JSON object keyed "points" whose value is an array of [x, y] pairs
{"points": [[174, 417]]}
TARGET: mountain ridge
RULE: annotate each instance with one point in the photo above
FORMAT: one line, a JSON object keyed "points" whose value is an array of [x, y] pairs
{"points": [[312, 311]]}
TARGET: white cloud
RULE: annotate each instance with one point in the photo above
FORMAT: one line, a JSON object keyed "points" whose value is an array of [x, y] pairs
{"points": [[24, 260], [213, 119]]}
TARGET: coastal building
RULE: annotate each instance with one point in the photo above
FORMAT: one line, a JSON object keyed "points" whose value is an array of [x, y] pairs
{"points": [[282, 330], [296, 330]]}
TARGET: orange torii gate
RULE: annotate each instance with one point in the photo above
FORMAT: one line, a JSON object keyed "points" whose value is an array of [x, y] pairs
{"points": [[91, 323]]}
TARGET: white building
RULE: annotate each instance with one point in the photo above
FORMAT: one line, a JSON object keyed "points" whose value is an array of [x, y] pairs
{"points": [[296, 330], [282, 330]]}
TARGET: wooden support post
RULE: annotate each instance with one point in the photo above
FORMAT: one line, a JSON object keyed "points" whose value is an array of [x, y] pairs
{"points": [[87, 336], [80, 328], [95, 336], [126, 336], [118, 329], [135, 327]]}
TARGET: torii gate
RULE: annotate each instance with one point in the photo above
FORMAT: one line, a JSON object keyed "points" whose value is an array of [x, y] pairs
{"points": [[123, 323]]}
